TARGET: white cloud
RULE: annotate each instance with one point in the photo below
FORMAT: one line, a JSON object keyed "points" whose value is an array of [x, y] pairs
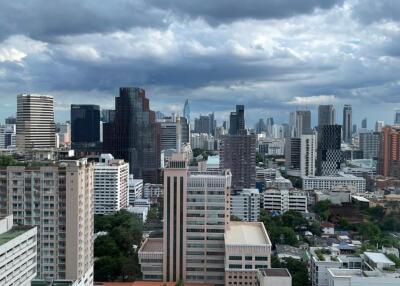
{"points": [[313, 100]]}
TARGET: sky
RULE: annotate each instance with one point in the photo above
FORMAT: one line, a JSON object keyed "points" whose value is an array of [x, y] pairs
{"points": [[273, 56]]}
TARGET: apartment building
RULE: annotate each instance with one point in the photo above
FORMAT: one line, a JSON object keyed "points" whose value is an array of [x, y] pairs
{"points": [[247, 248], [245, 204], [283, 200], [58, 198], [18, 253], [331, 182], [111, 185]]}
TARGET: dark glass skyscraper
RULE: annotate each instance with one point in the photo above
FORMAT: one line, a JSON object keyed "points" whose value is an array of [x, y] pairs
{"points": [[85, 124], [236, 120], [329, 154], [326, 115], [347, 123], [134, 135]]}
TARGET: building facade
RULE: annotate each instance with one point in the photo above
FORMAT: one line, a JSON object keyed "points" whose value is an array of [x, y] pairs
{"points": [[329, 154], [61, 205], [326, 115], [85, 124], [331, 182], [369, 144], [245, 204], [134, 135], [347, 123], [35, 122], [236, 120], [389, 152], [18, 253], [284, 200]]}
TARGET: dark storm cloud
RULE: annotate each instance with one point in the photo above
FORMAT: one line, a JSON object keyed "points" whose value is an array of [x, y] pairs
{"points": [[44, 20], [225, 11]]}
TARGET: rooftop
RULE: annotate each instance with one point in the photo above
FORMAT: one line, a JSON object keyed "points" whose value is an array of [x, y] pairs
{"points": [[377, 257], [11, 234], [275, 272], [152, 245], [248, 233]]}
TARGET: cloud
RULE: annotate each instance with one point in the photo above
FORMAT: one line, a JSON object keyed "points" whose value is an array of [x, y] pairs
{"points": [[313, 100]]}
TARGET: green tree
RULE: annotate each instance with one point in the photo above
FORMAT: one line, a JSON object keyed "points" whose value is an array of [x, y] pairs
{"points": [[106, 268], [315, 228], [106, 246], [322, 208]]}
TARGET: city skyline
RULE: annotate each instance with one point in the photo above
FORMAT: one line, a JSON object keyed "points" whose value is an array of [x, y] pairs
{"points": [[274, 61]]}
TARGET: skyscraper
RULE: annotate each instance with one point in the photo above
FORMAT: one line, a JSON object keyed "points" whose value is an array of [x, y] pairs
{"points": [[379, 125], [326, 115], [347, 123], [169, 129], [308, 155], [186, 111], [364, 123], [85, 124], [260, 126], [389, 152], [329, 154], [397, 117], [369, 144], [134, 135], [107, 115], [236, 120], [205, 124], [269, 126], [60, 204], [300, 123], [238, 153], [35, 122]]}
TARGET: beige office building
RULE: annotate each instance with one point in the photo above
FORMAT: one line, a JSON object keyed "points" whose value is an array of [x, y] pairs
{"points": [[35, 122], [58, 199]]}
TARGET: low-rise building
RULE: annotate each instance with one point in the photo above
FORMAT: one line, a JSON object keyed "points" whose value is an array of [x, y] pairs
{"points": [[284, 200], [276, 276], [151, 259], [357, 277], [330, 182], [141, 212], [153, 192], [247, 248], [245, 204], [18, 253], [135, 189]]}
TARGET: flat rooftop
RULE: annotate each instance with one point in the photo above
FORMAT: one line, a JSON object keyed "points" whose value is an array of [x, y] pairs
{"points": [[275, 272], [11, 234], [152, 245], [249, 233], [378, 257]]}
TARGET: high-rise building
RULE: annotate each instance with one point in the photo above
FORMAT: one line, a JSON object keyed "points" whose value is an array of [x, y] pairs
{"points": [[186, 111], [347, 123], [379, 125], [326, 115], [107, 115], [205, 124], [397, 117], [60, 204], [64, 132], [236, 120], [300, 123], [269, 125], [196, 204], [134, 135], [293, 152], [369, 144], [169, 129], [389, 152], [7, 136], [245, 204], [11, 120], [260, 126], [238, 153], [329, 154], [85, 124], [364, 123], [355, 129], [111, 185], [308, 154], [18, 253], [35, 122]]}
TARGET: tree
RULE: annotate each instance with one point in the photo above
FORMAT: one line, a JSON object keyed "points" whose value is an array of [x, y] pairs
{"points": [[322, 208], [106, 268], [297, 269], [152, 215], [315, 228], [106, 246]]}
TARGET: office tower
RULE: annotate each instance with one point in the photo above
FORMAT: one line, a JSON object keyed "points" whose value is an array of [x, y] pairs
{"points": [[134, 135], [60, 197], [308, 154], [300, 123], [111, 185], [168, 132], [260, 126], [238, 153], [329, 154], [107, 115], [364, 123], [397, 117], [369, 144], [326, 115], [85, 124], [347, 123], [269, 125], [293, 152], [35, 122], [245, 204], [175, 221], [236, 120], [18, 253], [379, 125], [205, 124], [186, 111], [389, 152], [354, 129]]}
